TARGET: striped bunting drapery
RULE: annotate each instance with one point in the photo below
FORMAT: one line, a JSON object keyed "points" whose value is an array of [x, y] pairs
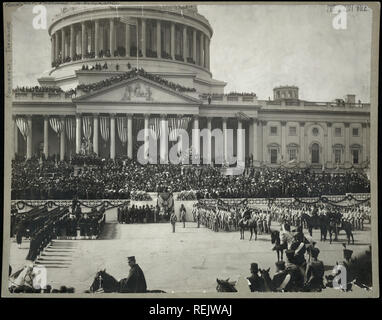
{"points": [[22, 124], [70, 129], [87, 127], [122, 129], [175, 124], [155, 128], [57, 125], [105, 128]]}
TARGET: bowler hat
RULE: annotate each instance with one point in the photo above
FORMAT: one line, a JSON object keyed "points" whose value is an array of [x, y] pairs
{"points": [[254, 267], [132, 258]]}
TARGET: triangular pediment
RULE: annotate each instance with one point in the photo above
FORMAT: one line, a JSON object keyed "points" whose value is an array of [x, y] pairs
{"points": [[137, 90]]}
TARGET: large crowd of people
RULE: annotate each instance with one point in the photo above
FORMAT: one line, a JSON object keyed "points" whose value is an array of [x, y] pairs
{"points": [[117, 179]]}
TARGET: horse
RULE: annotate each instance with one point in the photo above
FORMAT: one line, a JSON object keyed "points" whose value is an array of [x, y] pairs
{"points": [[266, 279], [251, 224], [275, 239], [312, 222], [336, 224], [225, 286], [104, 282], [347, 227]]}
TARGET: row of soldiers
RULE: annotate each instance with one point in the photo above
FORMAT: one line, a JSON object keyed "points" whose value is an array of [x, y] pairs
{"points": [[292, 214], [138, 214]]}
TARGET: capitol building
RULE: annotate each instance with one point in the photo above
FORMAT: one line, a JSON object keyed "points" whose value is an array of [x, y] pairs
{"points": [[118, 69]]}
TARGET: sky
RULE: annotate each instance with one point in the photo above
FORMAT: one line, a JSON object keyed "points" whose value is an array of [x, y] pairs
{"points": [[254, 48]]}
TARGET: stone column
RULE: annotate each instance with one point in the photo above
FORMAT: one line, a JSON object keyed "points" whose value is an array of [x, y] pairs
{"points": [[62, 43], [368, 140], [111, 37], [46, 136], [163, 139], [62, 139], [102, 37], [130, 136], [112, 136], [173, 40], [194, 45], [260, 142], [196, 139], [29, 137], [15, 137], [185, 43], [159, 48], [347, 143], [254, 140], [201, 49], [330, 143], [72, 42], [283, 141], [78, 133], [143, 37], [56, 47], [51, 48], [207, 154], [83, 39], [127, 39], [240, 154], [225, 140], [147, 136], [265, 151], [302, 141], [96, 38], [364, 143], [208, 53], [96, 133]]}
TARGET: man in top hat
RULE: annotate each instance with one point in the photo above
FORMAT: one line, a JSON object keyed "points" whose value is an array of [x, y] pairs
{"points": [[255, 282], [314, 272], [135, 281]]}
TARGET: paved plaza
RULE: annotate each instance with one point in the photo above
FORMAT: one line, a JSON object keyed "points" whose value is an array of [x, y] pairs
{"points": [[188, 260]]}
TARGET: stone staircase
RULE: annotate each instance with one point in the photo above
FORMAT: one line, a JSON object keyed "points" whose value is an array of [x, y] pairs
{"points": [[58, 254]]}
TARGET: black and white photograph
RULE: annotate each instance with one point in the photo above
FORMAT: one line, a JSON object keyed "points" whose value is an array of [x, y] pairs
{"points": [[190, 150]]}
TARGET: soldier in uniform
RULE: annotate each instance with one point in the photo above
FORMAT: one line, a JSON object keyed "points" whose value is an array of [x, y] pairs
{"points": [[183, 215], [135, 281], [173, 220]]}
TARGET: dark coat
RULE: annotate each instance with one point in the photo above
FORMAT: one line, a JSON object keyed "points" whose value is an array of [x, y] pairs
{"points": [[135, 281]]}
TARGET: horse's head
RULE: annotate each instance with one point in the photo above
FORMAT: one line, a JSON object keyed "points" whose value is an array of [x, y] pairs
{"points": [[225, 286], [98, 281]]}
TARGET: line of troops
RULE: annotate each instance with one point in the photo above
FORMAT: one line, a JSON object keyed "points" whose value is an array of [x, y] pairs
{"points": [[292, 214], [138, 214], [222, 219]]}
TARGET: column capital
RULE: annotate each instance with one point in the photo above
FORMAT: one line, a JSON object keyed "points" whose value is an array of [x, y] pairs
{"points": [[209, 118], [364, 125], [347, 124], [163, 115], [146, 115], [112, 115], [95, 115], [264, 122], [28, 117], [302, 123], [129, 115], [283, 123], [46, 116], [328, 124], [78, 115], [224, 119]]}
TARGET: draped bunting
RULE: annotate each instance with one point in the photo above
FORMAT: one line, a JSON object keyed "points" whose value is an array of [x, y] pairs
{"points": [[57, 125], [70, 129], [155, 128], [22, 124], [105, 128], [87, 127], [122, 129], [175, 124]]}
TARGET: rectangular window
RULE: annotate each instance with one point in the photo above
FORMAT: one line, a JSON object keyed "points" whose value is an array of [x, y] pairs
{"points": [[292, 131], [273, 131], [273, 155], [337, 156], [355, 132], [355, 156], [292, 154], [338, 132]]}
